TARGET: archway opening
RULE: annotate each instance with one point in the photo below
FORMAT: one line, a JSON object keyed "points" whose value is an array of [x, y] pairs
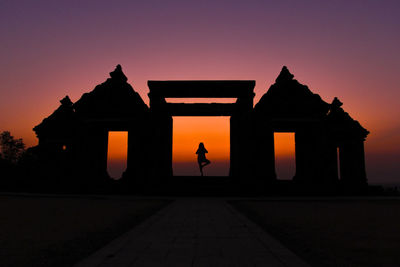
{"points": [[285, 155], [188, 132], [117, 153]]}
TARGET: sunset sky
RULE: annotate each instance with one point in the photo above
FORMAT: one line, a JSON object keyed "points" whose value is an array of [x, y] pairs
{"points": [[348, 49]]}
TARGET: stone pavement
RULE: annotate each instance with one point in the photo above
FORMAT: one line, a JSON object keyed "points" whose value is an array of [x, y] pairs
{"points": [[194, 232]]}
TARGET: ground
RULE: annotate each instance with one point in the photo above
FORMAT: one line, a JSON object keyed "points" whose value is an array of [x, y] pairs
{"points": [[60, 230], [196, 232], [332, 232], [38, 230]]}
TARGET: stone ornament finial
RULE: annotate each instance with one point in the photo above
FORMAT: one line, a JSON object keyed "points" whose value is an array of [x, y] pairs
{"points": [[336, 103], [284, 76], [66, 101], [117, 74]]}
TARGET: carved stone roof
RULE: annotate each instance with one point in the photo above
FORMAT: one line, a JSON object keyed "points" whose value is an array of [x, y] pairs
{"points": [[287, 98], [113, 98], [61, 121], [342, 123]]}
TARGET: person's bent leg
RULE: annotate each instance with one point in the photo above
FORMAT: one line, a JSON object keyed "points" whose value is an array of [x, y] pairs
{"points": [[201, 168]]}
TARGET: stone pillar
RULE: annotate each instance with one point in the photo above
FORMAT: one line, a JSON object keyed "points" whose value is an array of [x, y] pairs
{"points": [[352, 162], [168, 143], [241, 143], [301, 155], [161, 146], [91, 163], [309, 156], [98, 151], [138, 147], [241, 136], [331, 172], [263, 155], [234, 147]]}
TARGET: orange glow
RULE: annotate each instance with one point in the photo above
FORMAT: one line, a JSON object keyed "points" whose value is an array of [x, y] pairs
{"points": [[189, 132], [351, 53], [284, 144], [117, 153], [201, 100], [285, 164]]}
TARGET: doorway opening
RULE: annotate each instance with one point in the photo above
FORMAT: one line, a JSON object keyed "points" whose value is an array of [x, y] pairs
{"points": [[188, 132], [117, 153], [285, 155]]}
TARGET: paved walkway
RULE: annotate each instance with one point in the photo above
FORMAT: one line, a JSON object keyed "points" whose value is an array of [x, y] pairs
{"points": [[195, 232]]}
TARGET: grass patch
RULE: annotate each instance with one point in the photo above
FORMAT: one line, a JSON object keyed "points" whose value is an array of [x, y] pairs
{"points": [[59, 231], [332, 232]]}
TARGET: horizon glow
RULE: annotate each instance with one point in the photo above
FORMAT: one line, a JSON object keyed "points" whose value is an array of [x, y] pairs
{"points": [[117, 153], [339, 48], [285, 155], [188, 132]]}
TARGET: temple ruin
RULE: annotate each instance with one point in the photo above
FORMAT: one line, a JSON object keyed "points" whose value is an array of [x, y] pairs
{"points": [[73, 140]]}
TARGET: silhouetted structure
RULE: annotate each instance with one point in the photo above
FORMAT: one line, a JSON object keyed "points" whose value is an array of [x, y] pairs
{"points": [[321, 131], [73, 140], [239, 111]]}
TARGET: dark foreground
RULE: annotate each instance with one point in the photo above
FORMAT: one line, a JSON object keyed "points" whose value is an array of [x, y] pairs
{"points": [[198, 232], [39, 230], [60, 230], [333, 232]]}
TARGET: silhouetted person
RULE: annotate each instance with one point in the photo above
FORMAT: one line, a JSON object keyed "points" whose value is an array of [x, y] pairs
{"points": [[201, 157]]}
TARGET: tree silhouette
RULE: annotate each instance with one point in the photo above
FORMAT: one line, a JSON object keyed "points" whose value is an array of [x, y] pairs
{"points": [[11, 149]]}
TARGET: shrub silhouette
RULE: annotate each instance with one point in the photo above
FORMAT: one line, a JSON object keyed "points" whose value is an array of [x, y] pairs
{"points": [[11, 149]]}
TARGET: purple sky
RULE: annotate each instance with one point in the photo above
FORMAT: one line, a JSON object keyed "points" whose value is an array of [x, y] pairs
{"points": [[348, 49]]}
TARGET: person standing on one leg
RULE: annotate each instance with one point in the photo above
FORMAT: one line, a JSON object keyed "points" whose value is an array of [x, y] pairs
{"points": [[201, 157]]}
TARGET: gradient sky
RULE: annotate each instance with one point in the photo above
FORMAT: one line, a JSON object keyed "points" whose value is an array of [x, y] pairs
{"points": [[348, 49]]}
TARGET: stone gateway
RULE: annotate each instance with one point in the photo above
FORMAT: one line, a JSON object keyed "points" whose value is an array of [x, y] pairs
{"points": [[73, 140]]}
